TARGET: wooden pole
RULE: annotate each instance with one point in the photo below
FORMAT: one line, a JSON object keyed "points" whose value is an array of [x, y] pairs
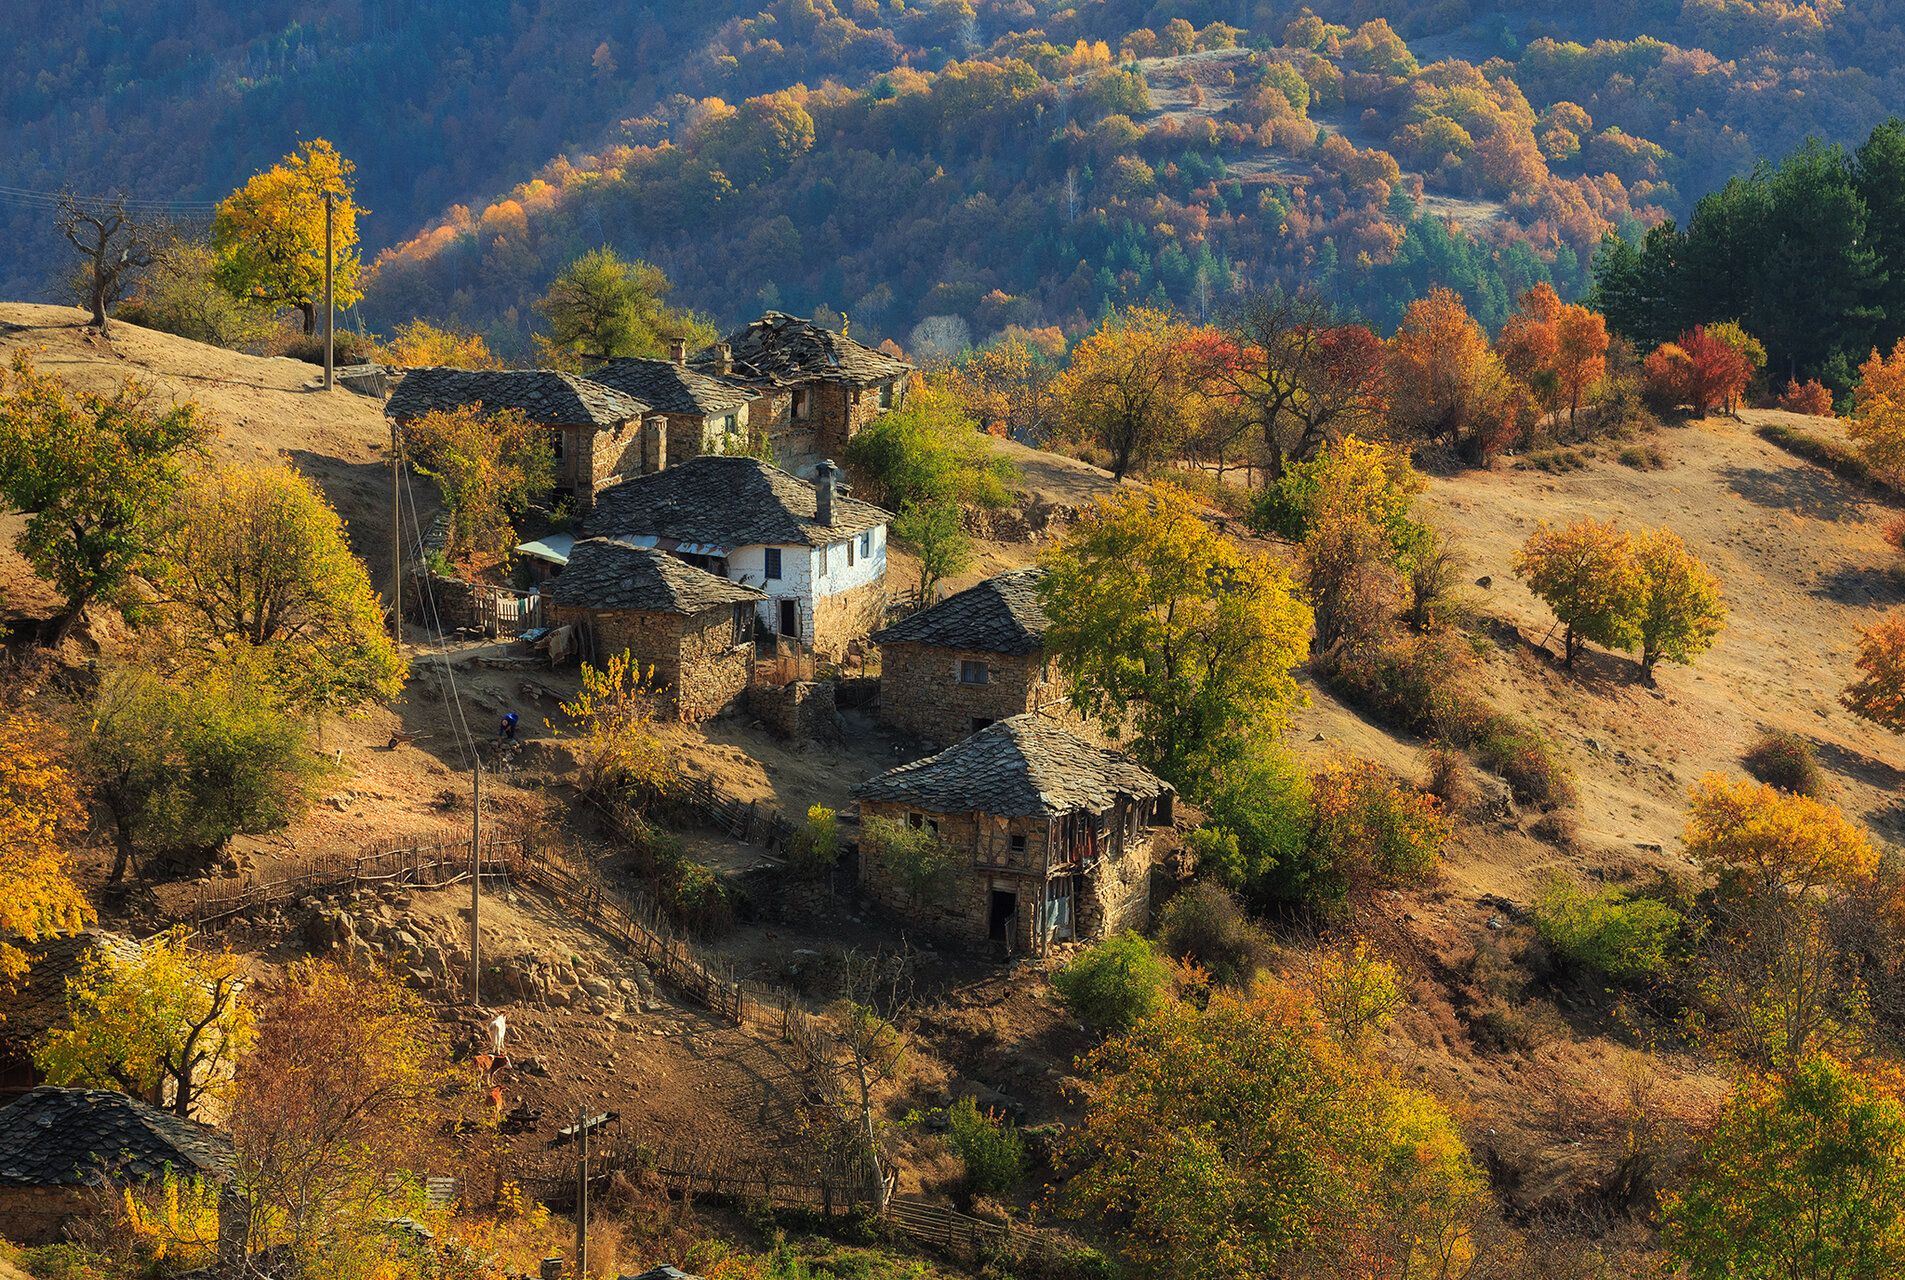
{"points": [[582, 1193], [476, 880], [396, 533], [328, 309]]}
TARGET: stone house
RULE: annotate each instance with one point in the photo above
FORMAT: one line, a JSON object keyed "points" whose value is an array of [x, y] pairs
{"points": [[601, 434], [1052, 838], [58, 1144], [818, 556], [36, 1003], [976, 657], [705, 414], [696, 630], [816, 388]]}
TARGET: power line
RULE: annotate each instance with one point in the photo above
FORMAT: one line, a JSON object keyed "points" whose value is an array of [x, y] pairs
{"points": [[51, 199], [446, 671]]}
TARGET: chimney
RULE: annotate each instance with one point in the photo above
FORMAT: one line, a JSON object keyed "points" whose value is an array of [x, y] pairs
{"points": [[681, 350], [725, 354], [654, 444], [823, 492]]}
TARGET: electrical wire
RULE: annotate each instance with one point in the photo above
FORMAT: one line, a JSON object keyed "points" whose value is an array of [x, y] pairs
{"points": [[52, 199], [446, 673]]}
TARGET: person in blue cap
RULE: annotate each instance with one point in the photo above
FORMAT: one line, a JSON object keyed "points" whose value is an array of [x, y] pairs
{"points": [[508, 732]]}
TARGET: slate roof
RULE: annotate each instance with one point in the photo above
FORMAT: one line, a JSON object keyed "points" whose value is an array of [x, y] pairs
{"points": [[779, 348], [38, 1002], [668, 387], [609, 575], [75, 1137], [544, 396], [726, 502], [1022, 767], [999, 615]]}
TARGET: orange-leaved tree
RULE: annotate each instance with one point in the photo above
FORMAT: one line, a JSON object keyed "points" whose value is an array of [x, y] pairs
{"points": [[1305, 373], [1128, 387], [1586, 574], [1809, 397], [1444, 383], [1801, 1176], [1878, 694], [1557, 350], [1698, 369], [39, 811], [1878, 414]]}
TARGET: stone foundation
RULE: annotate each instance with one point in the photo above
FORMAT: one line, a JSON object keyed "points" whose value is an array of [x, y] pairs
{"points": [[847, 616], [801, 710], [38, 1215]]}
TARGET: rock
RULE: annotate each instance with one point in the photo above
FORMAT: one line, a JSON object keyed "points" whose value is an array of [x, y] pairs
{"points": [[406, 940], [556, 997], [308, 904], [1495, 922], [597, 987], [1484, 582]]}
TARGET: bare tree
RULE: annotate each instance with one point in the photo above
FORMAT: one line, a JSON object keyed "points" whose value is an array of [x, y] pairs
{"points": [[862, 1047], [113, 246], [1306, 372]]}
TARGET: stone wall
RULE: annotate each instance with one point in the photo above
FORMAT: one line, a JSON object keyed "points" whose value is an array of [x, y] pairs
{"points": [[847, 616], [694, 658], [799, 710], [920, 691], [37, 1215], [604, 458]]}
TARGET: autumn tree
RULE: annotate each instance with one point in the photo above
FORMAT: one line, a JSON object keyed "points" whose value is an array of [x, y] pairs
{"points": [[1557, 350], [1810, 397], [918, 860], [1443, 381], [269, 234], [254, 556], [1776, 844], [338, 1097], [1878, 413], [928, 451], [180, 293], [599, 307], [488, 467], [613, 715], [933, 531], [1008, 382], [1878, 694], [1232, 1140], [95, 475], [1697, 369], [113, 244], [1586, 574], [39, 813], [1306, 372], [1168, 632], [1802, 1175], [182, 764], [167, 1024], [1127, 387], [419, 344], [1680, 612]]}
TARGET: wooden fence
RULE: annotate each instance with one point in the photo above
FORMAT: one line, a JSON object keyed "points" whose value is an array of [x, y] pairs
{"points": [[418, 866], [963, 1235]]}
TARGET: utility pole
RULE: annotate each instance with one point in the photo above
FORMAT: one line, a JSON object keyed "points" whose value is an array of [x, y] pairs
{"points": [[582, 1193], [476, 879], [328, 380], [396, 533]]}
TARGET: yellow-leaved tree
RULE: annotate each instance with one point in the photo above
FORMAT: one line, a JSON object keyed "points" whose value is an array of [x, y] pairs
{"points": [[167, 1023], [1586, 574], [614, 715], [1680, 612], [1878, 411], [488, 467], [39, 810], [1129, 387], [420, 344], [255, 557], [1170, 634], [1007, 384], [269, 234]]}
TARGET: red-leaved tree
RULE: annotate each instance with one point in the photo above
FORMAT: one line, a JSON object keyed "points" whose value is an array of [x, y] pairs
{"points": [[1697, 369]]}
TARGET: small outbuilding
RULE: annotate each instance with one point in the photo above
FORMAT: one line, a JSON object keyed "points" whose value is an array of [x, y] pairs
{"points": [[56, 1144], [36, 1003], [1051, 837], [695, 629], [975, 658]]}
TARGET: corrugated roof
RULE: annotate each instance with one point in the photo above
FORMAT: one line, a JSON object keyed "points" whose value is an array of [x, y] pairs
{"points": [[81, 1137], [726, 502], [1022, 767], [669, 387], [779, 348], [999, 615], [543, 395], [611, 575]]}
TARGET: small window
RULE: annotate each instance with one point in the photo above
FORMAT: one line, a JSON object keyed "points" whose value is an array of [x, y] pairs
{"points": [[803, 405], [932, 825], [866, 544], [560, 437], [916, 820], [886, 395], [974, 672], [730, 423], [1018, 844], [773, 562], [850, 549], [821, 556]]}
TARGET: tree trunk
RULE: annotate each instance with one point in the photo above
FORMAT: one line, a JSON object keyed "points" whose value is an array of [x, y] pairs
{"points": [[63, 629], [99, 303], [309, 310]]}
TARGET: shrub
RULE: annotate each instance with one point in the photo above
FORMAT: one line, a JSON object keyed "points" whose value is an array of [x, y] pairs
{"points": [[1447, 776], [811, 851], [1368, 831], [1607, 932], [993, 1151], [1809, 397], [1786, 761], [1114, 984], [928, 452], [1643, 457], [1356, 993], [1259, 817], [1205, 924], [1524, 757]]}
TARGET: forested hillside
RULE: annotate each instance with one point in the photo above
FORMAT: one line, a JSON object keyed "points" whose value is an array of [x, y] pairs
{"points": [[1000, 161]]}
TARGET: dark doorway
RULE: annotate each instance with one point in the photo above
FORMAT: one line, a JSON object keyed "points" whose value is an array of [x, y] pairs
{"points": [[980, 722], [790, 618], [1005, 905]]}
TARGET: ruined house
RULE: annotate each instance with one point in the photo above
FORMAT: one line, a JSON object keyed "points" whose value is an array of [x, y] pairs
{"points": [[817, 556], [696, 630], [816, 388], [56, 1145], [705, 414], [976, 657], [601, 435], [1051, 838], [36, 1003]]}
